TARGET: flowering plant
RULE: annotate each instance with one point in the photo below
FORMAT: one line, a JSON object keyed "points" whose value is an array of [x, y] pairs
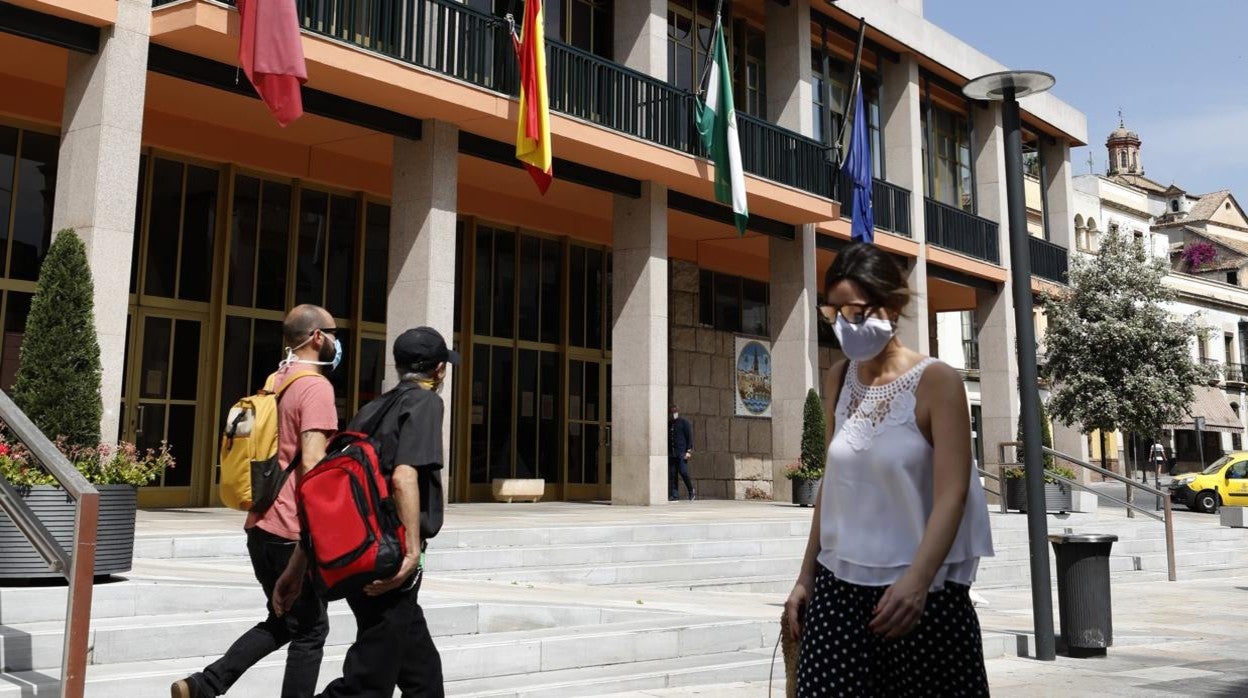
{"points": [[797, 471], [106, 464], [1198, 254]]}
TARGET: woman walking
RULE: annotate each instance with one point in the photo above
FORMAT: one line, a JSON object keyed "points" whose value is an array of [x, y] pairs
{"points": [[882, 604]]}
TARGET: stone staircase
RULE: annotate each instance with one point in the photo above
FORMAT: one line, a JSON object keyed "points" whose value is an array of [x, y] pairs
{"points": [[549, 608]]}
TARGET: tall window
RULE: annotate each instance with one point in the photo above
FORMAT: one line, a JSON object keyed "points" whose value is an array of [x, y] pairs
{"points": [[585, 24], [1122, 158], [690, 27], [949, 181], [27, 187], [750, 67]]}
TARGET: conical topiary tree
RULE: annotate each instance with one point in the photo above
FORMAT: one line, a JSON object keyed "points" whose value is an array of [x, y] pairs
{"points": [[814, 435], [58, 377]]}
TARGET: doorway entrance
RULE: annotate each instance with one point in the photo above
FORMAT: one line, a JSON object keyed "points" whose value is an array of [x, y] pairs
{"points": [[162, 397]]}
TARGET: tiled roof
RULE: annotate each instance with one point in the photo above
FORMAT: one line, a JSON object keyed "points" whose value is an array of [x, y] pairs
{"points": [[1208, 205], [1139, 182]]}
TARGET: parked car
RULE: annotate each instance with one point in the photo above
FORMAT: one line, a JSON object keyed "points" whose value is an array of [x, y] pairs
{"points": [[1225, 483]]}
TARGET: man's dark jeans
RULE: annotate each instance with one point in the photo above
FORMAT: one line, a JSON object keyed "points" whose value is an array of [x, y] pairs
{"points": [[305, 628], [678, 466], [392, 648]]}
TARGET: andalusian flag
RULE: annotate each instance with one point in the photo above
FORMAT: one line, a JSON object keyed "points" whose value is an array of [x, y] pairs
{"points": [[533, 129], [717, 122]]}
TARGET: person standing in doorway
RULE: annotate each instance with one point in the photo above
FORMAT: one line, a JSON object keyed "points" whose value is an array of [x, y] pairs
{"points": [[307, 416], [679, 449], [882, 602], [393, 646]]}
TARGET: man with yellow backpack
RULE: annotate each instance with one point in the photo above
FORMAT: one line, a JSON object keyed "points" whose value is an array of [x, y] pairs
{"points": [[267, 437]]}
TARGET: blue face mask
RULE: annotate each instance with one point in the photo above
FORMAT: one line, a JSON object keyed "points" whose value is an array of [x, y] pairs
{"points": [[333, 364]]}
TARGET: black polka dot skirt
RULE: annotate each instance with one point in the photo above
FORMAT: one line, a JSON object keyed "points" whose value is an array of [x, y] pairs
{"points": [[942, 656]]}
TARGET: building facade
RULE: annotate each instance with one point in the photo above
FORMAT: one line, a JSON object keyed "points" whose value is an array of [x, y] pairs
{"points": [[1203, 241], [396, 201]]}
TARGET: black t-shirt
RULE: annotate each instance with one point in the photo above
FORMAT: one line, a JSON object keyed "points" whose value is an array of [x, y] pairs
{"points": [[406, 424]]}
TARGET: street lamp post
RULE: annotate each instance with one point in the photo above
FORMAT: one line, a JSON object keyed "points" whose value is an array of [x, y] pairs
{"points": [[1007, 88]]}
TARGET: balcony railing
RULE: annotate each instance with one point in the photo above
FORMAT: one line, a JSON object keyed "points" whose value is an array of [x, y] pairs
{"points": [[970, 354], [891, 204], [447, 37], [1048, 261], [959, 231], [1229, 373]]}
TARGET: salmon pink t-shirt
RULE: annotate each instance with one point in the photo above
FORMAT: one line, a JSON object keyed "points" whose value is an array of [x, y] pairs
{"points": [[307, 405]]}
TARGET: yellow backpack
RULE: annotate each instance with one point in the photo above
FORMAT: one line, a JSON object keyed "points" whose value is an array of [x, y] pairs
{"points": [[251, 475]]}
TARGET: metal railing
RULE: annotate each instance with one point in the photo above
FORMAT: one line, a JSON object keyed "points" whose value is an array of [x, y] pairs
{"points": [[448, 37], [890, 203], [999, 492], [1235, 373], [1048, 261], [959, 231], [1167, 517], [77, 565]]}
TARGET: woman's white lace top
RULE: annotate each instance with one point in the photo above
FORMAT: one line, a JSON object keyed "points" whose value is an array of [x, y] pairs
{"points": [[877, 490]]}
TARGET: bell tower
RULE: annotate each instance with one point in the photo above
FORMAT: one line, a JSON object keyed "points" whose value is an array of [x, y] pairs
{"points": [[1124, 150]]}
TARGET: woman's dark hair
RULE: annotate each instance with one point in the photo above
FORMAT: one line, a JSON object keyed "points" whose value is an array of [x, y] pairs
{"points": [[874, 271]]}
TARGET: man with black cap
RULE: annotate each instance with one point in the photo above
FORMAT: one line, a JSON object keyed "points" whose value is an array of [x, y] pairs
{"points": [[393, 646]]}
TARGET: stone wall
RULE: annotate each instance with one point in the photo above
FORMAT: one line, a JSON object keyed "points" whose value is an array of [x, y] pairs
{"points": [[732, 455]]}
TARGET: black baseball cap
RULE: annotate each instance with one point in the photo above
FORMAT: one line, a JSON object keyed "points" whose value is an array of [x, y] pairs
{"points": [[422, 348]]}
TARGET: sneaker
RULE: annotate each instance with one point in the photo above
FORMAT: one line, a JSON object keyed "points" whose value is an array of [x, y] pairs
{"points": [[693, 495]]}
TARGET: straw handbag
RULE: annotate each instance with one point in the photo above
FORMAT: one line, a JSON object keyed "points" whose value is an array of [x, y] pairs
{"points": [[791, 651]]}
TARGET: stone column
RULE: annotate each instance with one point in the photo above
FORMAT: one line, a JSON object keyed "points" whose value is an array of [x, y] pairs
{"points": [[794, 349], [1060, 193], [639, 396], [998, 356], [421, 273], [98, 174], [901, 112], [788, 66], [640, 28], [1073, 442]]}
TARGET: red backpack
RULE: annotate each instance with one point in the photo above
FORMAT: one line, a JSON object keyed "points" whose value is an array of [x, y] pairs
{"points": [[351, 527]]}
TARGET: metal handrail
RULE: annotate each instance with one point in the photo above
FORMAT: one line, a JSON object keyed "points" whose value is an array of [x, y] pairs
{"points": [[1000, 486], [78, 565], [1168, 514]]}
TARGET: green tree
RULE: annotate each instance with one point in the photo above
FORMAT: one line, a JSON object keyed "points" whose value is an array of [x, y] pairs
{"points": [[58, 377], [1117, 358], [814, 435]]}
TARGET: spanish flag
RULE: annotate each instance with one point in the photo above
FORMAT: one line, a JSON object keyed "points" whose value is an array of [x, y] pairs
{"points": [[533, 129]]}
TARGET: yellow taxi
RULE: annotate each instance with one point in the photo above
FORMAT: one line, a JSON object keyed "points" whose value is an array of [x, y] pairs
{"points": [[1225, 483]]}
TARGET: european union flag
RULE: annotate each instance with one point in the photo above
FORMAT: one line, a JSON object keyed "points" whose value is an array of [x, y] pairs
{"points": [[858, 165]]}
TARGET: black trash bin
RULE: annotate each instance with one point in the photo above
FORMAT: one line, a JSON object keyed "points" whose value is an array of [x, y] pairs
{"points": [[1083, 592]]}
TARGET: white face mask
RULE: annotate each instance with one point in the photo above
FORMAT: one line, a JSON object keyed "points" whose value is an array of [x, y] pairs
{"points": [[864, 341]]}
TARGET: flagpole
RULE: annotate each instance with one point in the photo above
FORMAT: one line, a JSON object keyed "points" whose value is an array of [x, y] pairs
{"points": [[851, 97], [710, 53]]}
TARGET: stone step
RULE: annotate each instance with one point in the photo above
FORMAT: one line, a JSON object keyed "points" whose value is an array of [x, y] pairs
{"points": [[124, 598], [497, 656], [169, 636], [152, 679]]}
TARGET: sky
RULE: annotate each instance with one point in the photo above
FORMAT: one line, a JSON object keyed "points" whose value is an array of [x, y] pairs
{"points": [[1178, 70]]}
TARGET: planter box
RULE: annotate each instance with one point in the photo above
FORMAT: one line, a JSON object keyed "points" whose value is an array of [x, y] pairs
{"points": [[115, 544], [510, 489], [804, 492], [1057, 497]]}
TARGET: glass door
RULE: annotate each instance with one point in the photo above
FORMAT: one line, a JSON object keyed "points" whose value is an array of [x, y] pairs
{"points": [[589, 430], [163, 396]]}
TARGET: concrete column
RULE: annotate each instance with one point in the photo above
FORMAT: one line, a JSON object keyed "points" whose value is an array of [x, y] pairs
{"points": [[639, 389], [421, 273], [640, 28], [1073, 442], [788, 66], [998, 356], [1060, 192], [794, 349], [900, 106], [98, 174]]}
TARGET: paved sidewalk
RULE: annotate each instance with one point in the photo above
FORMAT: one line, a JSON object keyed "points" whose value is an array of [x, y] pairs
{"points": [[1171, 639]]}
